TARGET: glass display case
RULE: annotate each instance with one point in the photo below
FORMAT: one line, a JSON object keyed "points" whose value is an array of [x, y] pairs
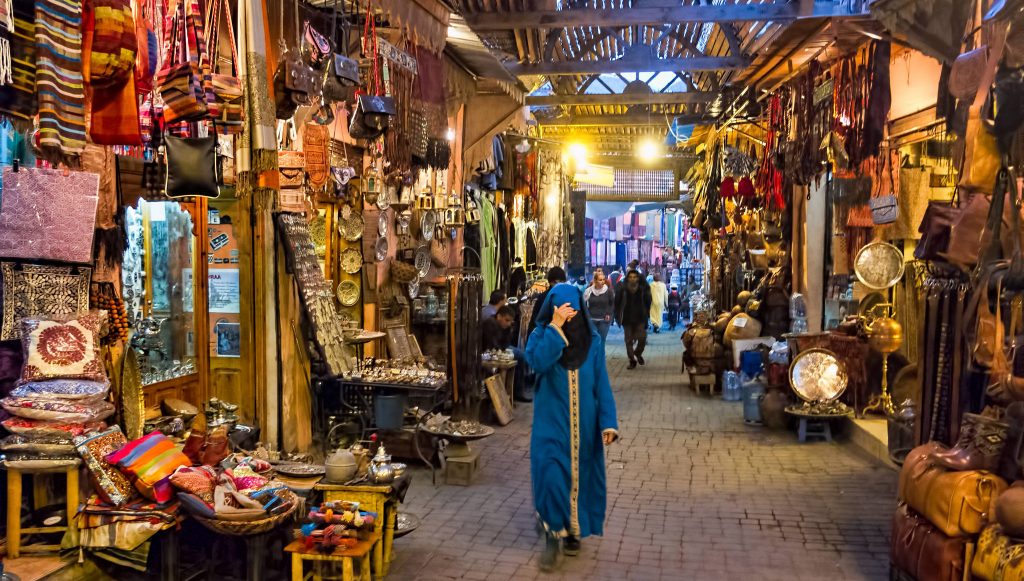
{"points": [[159, 285]]}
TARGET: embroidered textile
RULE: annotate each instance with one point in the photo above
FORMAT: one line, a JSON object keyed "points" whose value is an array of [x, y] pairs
{"points": [[62, 347], [36, 290]]}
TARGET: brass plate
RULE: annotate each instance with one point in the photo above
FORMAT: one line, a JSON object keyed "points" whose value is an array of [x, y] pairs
{"points": [[879, 265], [348, 293], [351, 261], [818, 376]]}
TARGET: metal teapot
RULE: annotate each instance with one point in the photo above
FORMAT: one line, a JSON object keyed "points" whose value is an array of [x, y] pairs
{"points": [[381, 471]]}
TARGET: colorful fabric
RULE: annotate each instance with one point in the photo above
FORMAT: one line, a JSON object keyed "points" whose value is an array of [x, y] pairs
{"points": [[62, 347], [71, 389], [197, 480], [151, 460], [55, 409], [108, 42], [256, 155], [59, 83], [40, 291], [19, 98], [572, 409], [112, 486], [28, 427]]}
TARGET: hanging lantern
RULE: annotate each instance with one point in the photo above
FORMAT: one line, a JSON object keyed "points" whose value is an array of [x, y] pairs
{"points": [[425, 200], [372, 184]]}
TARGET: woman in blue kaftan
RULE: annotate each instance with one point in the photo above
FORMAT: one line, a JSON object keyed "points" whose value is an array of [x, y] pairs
{"points": [[573, 419]]}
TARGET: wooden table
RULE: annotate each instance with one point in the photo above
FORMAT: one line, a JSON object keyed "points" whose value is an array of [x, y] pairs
{"points": [[360, 551], [378, 498]]}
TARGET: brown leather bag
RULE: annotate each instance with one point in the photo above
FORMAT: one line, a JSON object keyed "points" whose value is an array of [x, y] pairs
{"points": [[921, 551], [1009, 510], [957, 503], [981, 156]]}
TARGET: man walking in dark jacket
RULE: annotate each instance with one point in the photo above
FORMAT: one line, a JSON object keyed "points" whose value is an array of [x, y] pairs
{"points": [[632, 309]]}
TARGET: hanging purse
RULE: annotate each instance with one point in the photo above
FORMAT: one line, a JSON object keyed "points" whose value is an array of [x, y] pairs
{"points": [[226, 108], [373, 113], [342, 74], [180, 82], [294, 81], [982, 159], [191, 166], [885, 207]]}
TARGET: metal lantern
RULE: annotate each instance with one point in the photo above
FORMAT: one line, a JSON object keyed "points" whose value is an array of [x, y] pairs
{"points": [[425, 200], [372, 184]]}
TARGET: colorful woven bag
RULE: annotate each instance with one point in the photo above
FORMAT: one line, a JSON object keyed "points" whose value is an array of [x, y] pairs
{"points": [[226, 107], [181, 82]]}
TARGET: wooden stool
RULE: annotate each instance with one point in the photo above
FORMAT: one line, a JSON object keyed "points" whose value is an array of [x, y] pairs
{"points": [[814, 428], [14, 530], [702, 382], [345, 556], [373, 498], [461, 470]]}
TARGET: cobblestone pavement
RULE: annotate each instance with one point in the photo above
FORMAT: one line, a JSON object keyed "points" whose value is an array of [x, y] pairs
{"points": [[693, 493]]}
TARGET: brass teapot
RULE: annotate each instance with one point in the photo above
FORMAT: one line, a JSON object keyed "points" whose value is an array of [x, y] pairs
{"points": [[885, 334]]}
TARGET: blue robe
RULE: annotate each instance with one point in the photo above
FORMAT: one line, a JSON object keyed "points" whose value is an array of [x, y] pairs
{"points": [[571, 409]]}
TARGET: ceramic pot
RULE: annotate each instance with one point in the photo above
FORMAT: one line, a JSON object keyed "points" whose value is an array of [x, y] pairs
{"points": [[341, 466], [773, 409]]}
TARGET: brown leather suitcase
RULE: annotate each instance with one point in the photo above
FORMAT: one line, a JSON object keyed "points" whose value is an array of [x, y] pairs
{"points": [[921, 551]]}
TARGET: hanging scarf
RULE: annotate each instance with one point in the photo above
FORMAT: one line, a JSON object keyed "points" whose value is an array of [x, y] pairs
{"points": [[59, 83], [256, 155]]}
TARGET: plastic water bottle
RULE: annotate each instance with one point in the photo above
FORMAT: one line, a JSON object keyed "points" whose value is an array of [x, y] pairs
{"points": [[731, 386]]}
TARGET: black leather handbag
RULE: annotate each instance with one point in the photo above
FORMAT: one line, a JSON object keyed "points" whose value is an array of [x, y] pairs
{"points": [[191, 167], [372, 116]]}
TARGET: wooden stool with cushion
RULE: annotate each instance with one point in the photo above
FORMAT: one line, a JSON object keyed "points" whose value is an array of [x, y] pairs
{"points": [[345, 556], [14, 529]]}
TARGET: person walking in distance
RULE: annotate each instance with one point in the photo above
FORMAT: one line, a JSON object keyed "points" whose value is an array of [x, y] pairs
{"points": [[659, 297], [574, 420], [675, 301], [600, 301], [632, 309]]}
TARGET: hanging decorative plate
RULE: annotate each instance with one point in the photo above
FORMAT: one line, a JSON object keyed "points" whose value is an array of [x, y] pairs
{"points": [[879, 265], [351, 261], [348, 293], [387, 195], [382, 224], [427, 224], [351, 228], [414, 289], [818, 376], [380, 249], [422, 260]]}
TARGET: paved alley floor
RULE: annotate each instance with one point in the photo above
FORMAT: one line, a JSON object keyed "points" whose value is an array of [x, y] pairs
{"points": [[693, 493]]}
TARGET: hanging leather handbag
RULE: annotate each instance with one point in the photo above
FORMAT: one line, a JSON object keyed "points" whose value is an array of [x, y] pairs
{"points": [[885, 206], [982, 159], [922, 551], [957, 503], [226, 108], [967, 72], [372, 116], [180, 82], [191, 166], [342, 75]]}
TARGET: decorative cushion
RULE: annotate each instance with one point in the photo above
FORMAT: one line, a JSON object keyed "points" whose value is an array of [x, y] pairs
{"points": [[80, 390], [29, 427], [62, 347], [112, 486], [33, 291], [150, 460], [56, 409], [196, 505], [197, 480]]}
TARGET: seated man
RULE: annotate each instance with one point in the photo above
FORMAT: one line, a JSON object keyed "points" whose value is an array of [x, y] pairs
{"points": [[496, 333], [498, 300]]}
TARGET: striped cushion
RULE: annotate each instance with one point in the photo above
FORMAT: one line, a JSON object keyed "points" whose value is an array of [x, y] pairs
{"points": [[150, 461], [59, 82]]}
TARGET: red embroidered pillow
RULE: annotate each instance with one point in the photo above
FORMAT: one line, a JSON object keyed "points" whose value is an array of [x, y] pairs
{"points": [[66, 346]]}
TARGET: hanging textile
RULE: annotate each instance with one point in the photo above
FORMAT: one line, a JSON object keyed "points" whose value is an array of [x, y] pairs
{"points": [[256, 151], [19, 98], [59, 83], [551, 234], [488, 245]]}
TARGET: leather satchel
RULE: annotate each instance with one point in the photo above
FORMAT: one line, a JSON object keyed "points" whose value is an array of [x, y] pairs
{"points": [[957, 503], [372, 116], [982, 159], [922, 551], [191, 166], [936, 229]]}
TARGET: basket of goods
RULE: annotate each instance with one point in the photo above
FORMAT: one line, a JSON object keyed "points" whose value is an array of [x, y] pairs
{"points": [[337, 524], [237, 501]]}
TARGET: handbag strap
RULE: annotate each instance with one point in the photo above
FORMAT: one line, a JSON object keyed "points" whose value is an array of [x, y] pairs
{"points": [[995, 56]]}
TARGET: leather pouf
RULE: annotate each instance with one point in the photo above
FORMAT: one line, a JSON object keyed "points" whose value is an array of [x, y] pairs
{"points": [[1009, 510], [742, 326]]}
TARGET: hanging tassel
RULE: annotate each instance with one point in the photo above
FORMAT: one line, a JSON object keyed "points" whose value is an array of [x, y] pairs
{"points": [[6, 66]]}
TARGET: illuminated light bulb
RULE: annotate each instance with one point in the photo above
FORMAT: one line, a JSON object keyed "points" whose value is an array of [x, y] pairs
{"points": [[450, 134], [648, 150]]}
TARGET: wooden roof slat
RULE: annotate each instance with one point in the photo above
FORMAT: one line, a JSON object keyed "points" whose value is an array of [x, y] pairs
{"points": [[504, 20]]}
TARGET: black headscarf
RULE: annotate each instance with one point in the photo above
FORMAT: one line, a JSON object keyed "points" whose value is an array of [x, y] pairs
{"points": [[578, 330]]}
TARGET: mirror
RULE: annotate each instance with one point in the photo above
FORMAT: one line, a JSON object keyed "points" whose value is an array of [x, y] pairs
{"points": [[818, 376], [158, 289]]}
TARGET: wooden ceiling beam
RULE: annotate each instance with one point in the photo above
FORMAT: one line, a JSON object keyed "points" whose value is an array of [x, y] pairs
{"points": [[628, 65], [635, 16], [623, 121], [630, 99]]}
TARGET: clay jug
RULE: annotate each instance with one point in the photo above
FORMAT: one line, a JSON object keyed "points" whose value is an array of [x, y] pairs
{"points": [[773, 409]]}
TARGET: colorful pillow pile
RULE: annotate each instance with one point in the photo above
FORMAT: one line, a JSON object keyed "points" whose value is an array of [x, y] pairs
{"points": [[62, 388], [111, 485], [149, 462]]}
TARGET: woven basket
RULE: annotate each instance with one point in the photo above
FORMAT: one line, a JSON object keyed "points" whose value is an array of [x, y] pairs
{"points": [[252, 527], [403, 272]]}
